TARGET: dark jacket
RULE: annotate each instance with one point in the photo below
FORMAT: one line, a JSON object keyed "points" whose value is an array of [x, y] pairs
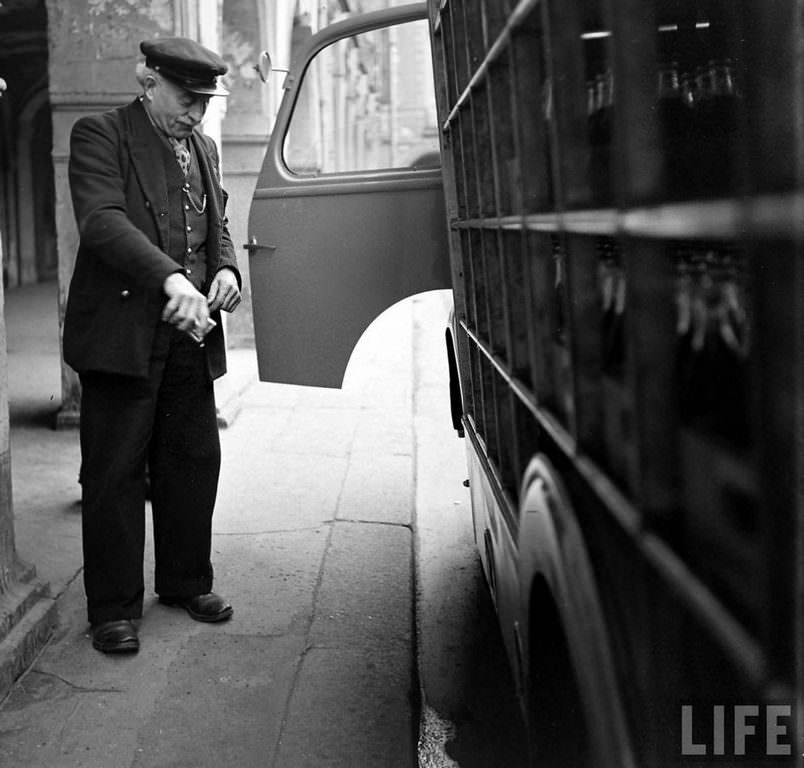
{"points": [[120, 196]]}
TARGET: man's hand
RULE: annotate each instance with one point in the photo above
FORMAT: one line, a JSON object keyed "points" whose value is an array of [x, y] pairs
{"points": [[224, 293], [186, 307]]}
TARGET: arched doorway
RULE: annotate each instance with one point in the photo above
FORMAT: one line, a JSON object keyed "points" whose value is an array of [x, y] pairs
{"points": [[27, 200], [37, 256]]}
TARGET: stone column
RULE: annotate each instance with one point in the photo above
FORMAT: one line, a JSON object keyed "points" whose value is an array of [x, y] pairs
{"points": [[27, 616], [6, 518]]}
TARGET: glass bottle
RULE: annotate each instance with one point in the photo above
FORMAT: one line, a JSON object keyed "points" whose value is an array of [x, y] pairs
{"points": [[613, 327], [672, 116], [559, 292], [600, 139], [724, 108]]}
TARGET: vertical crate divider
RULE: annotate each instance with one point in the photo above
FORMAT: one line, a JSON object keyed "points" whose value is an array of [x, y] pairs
{"points": [[485, 155], [533, 172], [495, 14], [651, 333], [503, 147], [582, 267], [517, 320], [539, 256], [571, 124]]}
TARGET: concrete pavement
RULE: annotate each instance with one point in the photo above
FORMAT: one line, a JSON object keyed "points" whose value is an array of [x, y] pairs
{"points": [[313, 543]]}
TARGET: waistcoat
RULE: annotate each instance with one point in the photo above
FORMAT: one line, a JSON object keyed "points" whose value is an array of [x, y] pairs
{"points": [[187, 216]]}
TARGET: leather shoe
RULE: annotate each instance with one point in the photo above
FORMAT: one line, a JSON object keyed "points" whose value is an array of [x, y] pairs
{"points": [[115, 637], [209, 607]]}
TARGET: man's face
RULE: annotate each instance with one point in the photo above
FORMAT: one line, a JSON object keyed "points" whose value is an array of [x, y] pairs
{"points": [[173, 109]]}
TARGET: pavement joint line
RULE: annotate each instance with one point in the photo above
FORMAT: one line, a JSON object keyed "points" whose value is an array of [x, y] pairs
{"points": [[60, 740], [76, 688], [68, 584], [361, 647], [255, 635], [309, 624], [271, 531], [366, 452], [306, 454], [305, 407], [358, 521]]}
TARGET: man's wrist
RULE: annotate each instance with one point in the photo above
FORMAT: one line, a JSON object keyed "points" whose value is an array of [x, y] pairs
{"points": [[172, 281], [234, 272]]}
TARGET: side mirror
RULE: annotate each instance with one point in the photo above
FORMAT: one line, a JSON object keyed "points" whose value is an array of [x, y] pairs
{"points": [[264, 67]]}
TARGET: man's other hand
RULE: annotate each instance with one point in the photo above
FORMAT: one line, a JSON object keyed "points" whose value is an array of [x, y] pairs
{"points": [[224, 293]]}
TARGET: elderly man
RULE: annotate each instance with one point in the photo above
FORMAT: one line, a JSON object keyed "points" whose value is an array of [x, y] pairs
{"points": [[155, 267]]}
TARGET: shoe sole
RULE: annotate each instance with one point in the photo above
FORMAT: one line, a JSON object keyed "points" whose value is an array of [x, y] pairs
{"points": [[222, 616], [225, 614], [127, 646]]}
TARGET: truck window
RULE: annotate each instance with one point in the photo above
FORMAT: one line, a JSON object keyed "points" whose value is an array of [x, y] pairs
{"points": [[366, 102]]}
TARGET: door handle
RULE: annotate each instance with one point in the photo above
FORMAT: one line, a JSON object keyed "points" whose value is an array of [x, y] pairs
{"points": [[252, 246]]}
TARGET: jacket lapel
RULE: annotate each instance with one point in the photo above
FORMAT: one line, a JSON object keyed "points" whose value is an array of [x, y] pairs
{"points": [[144, 147], [209, 173]]}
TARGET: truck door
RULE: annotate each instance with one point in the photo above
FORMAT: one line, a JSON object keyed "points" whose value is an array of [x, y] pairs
{"points": [[348, 213]]}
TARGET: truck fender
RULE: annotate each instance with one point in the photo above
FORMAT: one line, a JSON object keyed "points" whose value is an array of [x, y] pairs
{"points": [[455, 394]]}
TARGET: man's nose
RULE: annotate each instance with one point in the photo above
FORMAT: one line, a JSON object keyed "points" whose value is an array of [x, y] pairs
{"points": [[196, 111]]}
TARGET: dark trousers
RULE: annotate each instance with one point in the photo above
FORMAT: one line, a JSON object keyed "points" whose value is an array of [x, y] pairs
{"points": [[168, 422]]}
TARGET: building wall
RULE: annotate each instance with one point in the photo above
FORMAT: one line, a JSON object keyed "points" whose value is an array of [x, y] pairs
{"points": [[250, 27]]}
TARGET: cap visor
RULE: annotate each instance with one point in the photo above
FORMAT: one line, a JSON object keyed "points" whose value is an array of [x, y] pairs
{"points": [[203, 89], [214, 90]]}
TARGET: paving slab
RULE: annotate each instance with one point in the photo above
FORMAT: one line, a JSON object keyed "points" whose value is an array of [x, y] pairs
{"points": [[272, 577], [362, 718], [366, 593], [223, 703], [277, 491], [378, 489]]}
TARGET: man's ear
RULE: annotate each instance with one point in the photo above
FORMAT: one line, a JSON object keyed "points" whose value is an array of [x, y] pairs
{"points": [[149, 83]]}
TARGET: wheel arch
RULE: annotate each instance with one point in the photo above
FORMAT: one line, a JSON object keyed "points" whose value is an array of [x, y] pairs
{"points": [[558, 584]]}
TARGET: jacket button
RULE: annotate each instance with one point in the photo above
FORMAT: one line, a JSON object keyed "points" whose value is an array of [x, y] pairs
{"points": [[147, 203], [125, 293]]}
